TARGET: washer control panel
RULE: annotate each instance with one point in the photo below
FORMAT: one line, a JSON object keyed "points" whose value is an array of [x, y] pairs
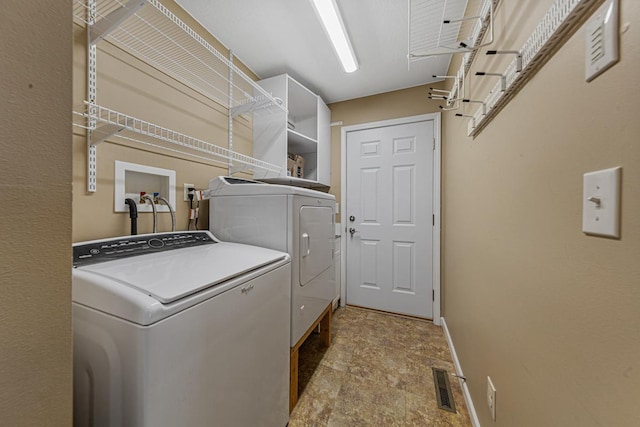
{"points": [[123, 247]]}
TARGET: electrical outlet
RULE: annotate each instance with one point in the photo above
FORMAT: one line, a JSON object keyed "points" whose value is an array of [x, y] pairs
{"points": [[491, 398], [186, 191]]}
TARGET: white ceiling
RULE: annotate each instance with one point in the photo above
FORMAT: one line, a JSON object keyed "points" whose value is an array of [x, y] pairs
{"points": [[273, 37]]}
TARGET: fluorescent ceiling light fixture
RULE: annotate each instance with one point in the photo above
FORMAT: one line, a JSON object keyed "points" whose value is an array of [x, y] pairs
{"points": [[333, 26]]}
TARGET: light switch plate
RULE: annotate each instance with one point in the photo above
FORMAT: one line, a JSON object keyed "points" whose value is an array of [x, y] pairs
{"points": [[601, 40], [601, 202]]}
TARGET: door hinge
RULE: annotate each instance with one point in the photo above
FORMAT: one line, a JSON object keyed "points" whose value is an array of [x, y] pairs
{"points": [[434, 144], [433, 220], [433, 295]]}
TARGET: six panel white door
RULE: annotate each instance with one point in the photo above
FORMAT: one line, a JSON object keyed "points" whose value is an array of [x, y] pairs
{"points": [[389, 253]]}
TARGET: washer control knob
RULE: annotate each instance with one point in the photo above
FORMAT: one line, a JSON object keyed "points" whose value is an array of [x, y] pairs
{"points": [[156, 243]]}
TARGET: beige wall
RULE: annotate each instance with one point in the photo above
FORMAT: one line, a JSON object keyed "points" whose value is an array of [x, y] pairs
{"points": [[128, 85], [552, 315], [386, 106], [35, 194]]}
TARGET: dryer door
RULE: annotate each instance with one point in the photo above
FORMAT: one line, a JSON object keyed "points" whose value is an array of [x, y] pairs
{"points": [[316, 241]]}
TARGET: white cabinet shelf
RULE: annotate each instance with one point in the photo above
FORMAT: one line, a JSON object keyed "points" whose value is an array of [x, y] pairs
{"points": [[303, 130], [299, 143], [152, 33]]}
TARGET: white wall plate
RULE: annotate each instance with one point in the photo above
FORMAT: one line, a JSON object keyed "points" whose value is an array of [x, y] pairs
{"points": [[601, 202], [601, 40], [131, 179]]}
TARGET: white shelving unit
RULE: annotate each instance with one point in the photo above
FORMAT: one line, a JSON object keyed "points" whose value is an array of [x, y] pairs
{"points": [[149, 31], [303, 129]]}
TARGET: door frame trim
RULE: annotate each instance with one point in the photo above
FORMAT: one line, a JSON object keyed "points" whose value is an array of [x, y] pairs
{"points": [[437, 160]]}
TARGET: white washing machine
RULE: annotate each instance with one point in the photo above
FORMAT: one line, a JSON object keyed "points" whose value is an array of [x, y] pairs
{"points": [[179, 329], [295, 220]]}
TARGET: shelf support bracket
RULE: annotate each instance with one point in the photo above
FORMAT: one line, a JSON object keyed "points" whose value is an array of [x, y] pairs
{"points": [[94, 137], [103, 132], [103, 27]]}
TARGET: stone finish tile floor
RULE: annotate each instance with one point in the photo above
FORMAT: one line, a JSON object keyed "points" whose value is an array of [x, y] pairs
{"points": [[377, 372]]}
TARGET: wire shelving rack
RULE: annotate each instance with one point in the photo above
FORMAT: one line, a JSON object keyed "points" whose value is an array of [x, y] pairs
{"points": [[149, 31]]}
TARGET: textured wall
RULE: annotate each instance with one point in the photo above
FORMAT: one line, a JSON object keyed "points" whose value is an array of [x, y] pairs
{"points": [[552, 315], [35, 194]]}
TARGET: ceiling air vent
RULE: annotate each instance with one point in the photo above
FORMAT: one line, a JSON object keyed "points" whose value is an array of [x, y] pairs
{"points": [[443, 390]]}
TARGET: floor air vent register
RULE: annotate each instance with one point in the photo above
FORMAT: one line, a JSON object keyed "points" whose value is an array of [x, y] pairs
{"points": [[443, 390]]}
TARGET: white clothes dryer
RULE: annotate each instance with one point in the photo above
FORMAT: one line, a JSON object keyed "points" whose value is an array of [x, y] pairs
{"points": [[295, 220], [179, 329]]}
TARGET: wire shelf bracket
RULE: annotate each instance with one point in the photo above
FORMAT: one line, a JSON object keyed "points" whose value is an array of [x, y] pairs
{"points": [[105, 131]]}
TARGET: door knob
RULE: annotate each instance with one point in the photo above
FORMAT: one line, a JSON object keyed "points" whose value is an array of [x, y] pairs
{"points": [[352, 231]]}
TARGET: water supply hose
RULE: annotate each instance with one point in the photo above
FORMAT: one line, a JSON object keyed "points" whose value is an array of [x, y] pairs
{"points": [[173, 214], [153, 208]]}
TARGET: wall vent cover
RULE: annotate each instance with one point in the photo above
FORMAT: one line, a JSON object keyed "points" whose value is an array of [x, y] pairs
{"points": [[601, 40], [443, 390]]}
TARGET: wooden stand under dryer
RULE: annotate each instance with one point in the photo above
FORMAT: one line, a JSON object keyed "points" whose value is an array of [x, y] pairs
{"points": [[325, 334]]}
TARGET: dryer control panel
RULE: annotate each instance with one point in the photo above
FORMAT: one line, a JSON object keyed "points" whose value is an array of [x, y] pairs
{"points": [[123, 247]]}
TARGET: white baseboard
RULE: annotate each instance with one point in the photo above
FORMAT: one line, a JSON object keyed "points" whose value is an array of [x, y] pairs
{"points": [[463, 384]]}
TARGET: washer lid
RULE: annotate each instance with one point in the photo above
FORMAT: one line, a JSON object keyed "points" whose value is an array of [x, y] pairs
{"points": [[227, 186], [170, 276]]}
